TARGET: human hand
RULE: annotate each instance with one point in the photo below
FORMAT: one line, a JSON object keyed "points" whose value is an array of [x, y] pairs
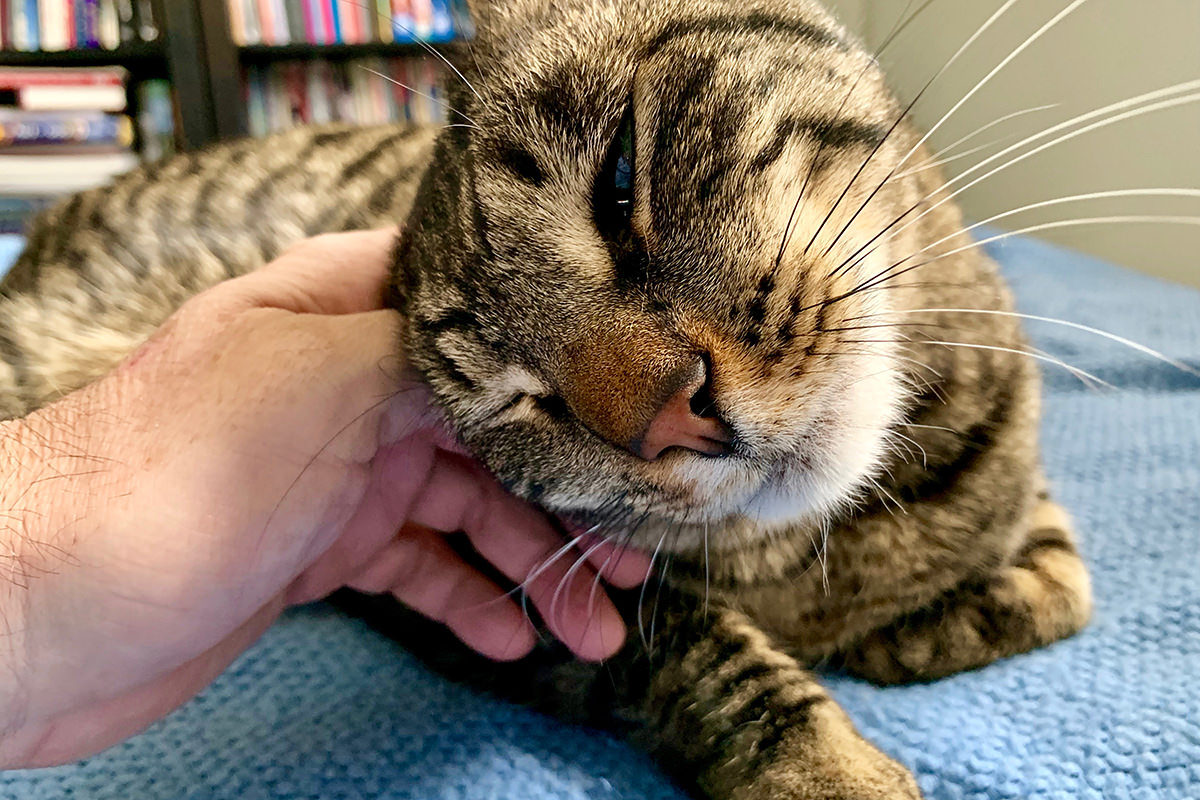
{"points": [[267, 446]]}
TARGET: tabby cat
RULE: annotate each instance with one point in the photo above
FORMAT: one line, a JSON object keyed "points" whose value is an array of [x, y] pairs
{"points": [[654, 278]]}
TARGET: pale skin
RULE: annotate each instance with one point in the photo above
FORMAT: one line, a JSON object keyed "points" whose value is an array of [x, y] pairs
{"points": [[267, 446]]}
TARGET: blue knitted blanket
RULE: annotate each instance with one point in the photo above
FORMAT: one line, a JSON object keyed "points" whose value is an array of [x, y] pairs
{"points": [[323, 708]]}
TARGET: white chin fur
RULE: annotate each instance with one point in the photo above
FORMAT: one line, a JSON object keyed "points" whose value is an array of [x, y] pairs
{"points": [[844, 449]]}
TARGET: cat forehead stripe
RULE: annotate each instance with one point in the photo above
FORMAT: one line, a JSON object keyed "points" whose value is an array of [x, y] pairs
{"points": [[829, 133], [749, 24]]}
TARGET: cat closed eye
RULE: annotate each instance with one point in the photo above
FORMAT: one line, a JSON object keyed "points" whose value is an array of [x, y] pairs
{"points": [[613, 192]]}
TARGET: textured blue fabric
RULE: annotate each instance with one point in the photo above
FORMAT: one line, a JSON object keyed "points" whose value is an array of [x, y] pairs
{"points": [[323, 708], [10, 248]]}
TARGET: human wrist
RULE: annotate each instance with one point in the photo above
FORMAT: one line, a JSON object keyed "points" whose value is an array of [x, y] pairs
{"points": [[23, 455], [56, 479]]}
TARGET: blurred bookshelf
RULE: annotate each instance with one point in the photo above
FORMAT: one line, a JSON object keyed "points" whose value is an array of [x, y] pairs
{"points": [[312, 61], [209, 49], [181, 74], [87, 92]]}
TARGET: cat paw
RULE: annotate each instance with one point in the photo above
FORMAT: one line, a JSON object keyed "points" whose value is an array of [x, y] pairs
{"points": [[856, 773]]}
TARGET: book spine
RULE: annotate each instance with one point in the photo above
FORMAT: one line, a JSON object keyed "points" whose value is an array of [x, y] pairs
{"points": [[156, 119], [147, 25], [77, 19], [5, 26], [82, 129], [237, 24], [256, 101], [464, 26], [399, 92], [442, 22], [266, 22], [125, 21], [423, 18], [337, 21], [250, 20], [350, 22], [310, 21], [11, 36], [297, 97], [44, 21], [28, 33], [91, 22], [21, 77], [327, 21], [383, 19], [72, 98], [295, 20], [403, 23], [318, 93], [283, 34], [108, 30], [369, 31]]}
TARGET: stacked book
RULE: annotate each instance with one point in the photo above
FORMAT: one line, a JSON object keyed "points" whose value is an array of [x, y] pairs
{"points": [[365, 91], [75, 24], [66, 130], [280, 22]]}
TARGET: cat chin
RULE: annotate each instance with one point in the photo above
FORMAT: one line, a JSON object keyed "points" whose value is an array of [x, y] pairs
{"points": [[839, 457]]}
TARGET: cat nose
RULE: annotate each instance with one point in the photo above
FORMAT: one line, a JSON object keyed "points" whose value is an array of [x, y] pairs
{"points": [[687, 419]]}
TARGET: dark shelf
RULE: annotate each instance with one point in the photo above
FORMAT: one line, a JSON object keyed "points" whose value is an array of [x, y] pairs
{"points": [[130, 56], [259, 54]]}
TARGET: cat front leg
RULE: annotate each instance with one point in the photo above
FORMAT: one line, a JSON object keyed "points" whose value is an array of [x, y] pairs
{"points": [[1042, 596], [737, 719]]}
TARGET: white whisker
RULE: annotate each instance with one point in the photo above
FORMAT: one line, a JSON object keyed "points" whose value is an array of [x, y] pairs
{"points": [[442, 103], [1045, 226], [993, 124], [1098, 114], [1083, 375], [1141, 348]]}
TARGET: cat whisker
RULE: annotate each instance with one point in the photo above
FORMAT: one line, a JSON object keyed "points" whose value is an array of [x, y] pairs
{"points": [[985, 128], [934, 163], [1083, 375], [1119, 193], [395, 26], [942, 428], [537, 572], [442, 103], [908, 110], [898, 27], [642, 594], [1154, 100], [1065, 323], [706, 571], [568, 577], [883, 276], [914, 443]]}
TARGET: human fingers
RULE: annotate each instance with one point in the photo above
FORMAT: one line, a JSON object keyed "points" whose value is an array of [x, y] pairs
{"points": [[618, 564], [398, 473], [521, 543], [422, 571]]}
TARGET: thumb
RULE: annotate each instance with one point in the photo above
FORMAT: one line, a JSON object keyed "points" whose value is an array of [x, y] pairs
{"points": [[337, 273]]}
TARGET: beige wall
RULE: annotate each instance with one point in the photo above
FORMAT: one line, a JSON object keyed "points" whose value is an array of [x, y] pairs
{"points": [[1105, 51]]}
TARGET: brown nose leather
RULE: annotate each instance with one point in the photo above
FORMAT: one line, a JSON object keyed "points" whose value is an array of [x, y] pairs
{"points": [[686, 420], [678, 425], [640, 389]]}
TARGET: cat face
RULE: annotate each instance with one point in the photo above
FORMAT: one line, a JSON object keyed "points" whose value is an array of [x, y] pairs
{"points": [[596, 275]]}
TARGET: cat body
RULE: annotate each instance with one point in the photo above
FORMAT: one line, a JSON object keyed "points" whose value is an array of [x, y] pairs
{"points": [[686, 210]]}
